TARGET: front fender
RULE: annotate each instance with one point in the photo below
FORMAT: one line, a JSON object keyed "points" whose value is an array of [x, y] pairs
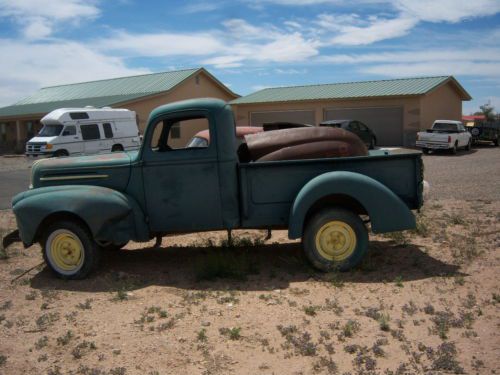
{"points": [[387, 211], [109, 214]]}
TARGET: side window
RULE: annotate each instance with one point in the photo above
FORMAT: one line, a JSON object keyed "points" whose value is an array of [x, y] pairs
{"points": [[108, 132], [90, 132], [354, 125], [69, 130], [176, 134], [362, 127]]}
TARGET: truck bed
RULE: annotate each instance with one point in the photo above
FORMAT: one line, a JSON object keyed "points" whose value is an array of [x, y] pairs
{"points": [[268, 189]]}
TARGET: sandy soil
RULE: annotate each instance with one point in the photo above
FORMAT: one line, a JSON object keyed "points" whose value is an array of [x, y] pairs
{"points": [[422, 302]]}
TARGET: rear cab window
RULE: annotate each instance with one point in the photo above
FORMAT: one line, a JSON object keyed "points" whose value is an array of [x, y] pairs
{"points": [[179, 133]]}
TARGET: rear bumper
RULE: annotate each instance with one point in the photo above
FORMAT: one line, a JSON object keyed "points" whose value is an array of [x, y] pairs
{"points": [[433, 145]]}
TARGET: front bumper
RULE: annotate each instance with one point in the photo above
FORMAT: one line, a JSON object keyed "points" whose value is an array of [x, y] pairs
{"points": [[433, 145]]}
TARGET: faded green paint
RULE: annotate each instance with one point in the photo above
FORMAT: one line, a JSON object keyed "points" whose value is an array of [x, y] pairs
{"points": [[351, 90], [136, 195]]}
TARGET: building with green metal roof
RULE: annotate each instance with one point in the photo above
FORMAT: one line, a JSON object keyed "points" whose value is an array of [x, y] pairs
{"points": [[142, 93], [394, 109]]}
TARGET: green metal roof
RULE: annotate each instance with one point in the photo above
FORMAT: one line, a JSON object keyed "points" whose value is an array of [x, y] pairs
{"points": [[99, 93], [351, 90]]}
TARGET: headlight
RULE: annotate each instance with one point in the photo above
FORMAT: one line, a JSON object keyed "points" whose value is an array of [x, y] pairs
{"points": [[48, 146]]}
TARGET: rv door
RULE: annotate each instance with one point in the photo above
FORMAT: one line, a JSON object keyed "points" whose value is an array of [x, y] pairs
{"points": [[91, 138]]}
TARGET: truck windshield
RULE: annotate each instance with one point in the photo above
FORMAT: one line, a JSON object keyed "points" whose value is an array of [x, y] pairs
{"points": [[50, 131], [443, 126]]}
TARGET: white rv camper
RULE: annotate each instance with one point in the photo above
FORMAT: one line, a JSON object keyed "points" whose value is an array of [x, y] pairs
{"points": [[85, 131]]}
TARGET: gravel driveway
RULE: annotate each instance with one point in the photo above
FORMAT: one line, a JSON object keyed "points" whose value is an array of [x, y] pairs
{"points": [[468, 175]]}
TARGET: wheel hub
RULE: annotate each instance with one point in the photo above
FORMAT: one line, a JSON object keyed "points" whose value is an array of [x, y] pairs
{"points": [[336, 241], [66, 250]]}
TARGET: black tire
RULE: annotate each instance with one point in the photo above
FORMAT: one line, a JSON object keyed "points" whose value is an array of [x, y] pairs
{"points": [[58, 238], [60, 153], [372, 144], [497, 141], [454, 149], [469, 145], [425, 150], [117, 148], [112, 246], [349, 222]]}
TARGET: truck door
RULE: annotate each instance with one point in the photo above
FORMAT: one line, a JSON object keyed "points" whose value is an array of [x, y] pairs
{"points": [[181, 184], [91, 138]]}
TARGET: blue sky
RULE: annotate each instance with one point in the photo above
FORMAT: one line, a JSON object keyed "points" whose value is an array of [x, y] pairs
{"points": [[250, 45]]}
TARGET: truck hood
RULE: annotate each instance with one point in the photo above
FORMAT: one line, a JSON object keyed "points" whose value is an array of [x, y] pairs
{"points": [[42, 139], [108, 170]]}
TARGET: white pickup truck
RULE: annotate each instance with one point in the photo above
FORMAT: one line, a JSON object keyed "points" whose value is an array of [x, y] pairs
{"points": [[444, 135]]}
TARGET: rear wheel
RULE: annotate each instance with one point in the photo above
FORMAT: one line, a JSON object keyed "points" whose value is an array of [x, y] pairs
{"points": [[372, 144], [425, 150], [69, 249], [335, 239], [454, 149], [497, 141], [117, 148]]}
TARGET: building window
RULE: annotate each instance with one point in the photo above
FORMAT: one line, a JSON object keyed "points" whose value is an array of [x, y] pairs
{"points": [[175, 131], [3, 132]]}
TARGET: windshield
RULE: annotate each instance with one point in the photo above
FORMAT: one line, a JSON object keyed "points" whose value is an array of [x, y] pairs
{"points": [[50, 130], [197, 142], [443, 126]]}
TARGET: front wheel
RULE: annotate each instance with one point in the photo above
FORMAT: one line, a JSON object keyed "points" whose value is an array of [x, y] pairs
{"points": [[69, 250], [425, 150], [454, 149], [335, 239]]}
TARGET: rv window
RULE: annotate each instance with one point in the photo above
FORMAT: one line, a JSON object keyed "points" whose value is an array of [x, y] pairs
{"points": [[79, 115], [90, 132], [108, 132], [50, 130], [69, 130]]}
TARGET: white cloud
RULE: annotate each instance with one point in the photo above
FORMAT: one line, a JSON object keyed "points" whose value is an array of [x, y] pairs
{"points": [[447, 10], [437, 68], [33, 65], [350, 29], [259, 87], [161, 44], [38, 19]]}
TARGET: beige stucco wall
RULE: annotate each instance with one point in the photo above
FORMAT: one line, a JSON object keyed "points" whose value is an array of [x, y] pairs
{"points": [[444, 103], [411, 110], [204, 87]]}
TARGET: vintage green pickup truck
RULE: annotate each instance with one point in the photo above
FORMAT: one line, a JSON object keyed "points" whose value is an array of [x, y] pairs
{"points": [[79, 205]]}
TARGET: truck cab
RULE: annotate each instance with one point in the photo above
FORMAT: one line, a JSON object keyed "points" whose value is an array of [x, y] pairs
{"points": [[79, 206]]}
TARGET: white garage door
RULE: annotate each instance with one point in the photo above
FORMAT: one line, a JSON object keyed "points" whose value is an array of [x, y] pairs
{"points": [[386, 122], [301, 117]]}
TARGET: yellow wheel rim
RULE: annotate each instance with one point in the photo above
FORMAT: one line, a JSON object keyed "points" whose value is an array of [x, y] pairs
{"points": [[336, 241], [65, 251]]}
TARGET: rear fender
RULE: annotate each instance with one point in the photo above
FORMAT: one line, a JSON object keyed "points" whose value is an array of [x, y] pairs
{"points": [[386, 210], [110, 215]]}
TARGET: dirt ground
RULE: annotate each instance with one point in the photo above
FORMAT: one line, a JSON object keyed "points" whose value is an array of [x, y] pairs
{"points": [[423, 302]]}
